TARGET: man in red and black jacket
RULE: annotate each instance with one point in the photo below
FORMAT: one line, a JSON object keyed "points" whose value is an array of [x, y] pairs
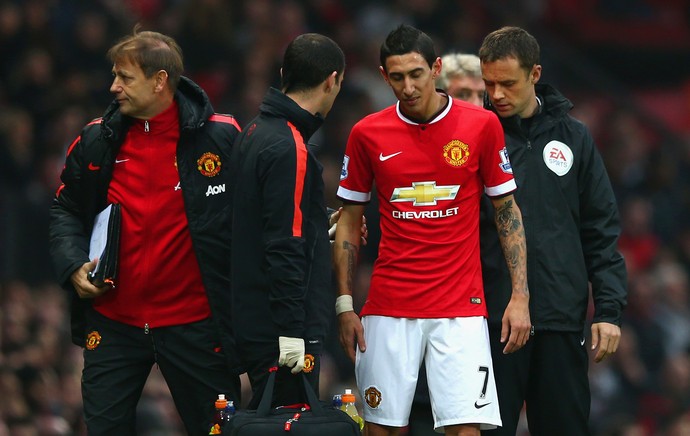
{"points": [[281, 260], [162, 153]]}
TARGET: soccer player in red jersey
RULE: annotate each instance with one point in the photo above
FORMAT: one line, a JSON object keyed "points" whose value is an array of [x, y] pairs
{"points": [[431, 159]]}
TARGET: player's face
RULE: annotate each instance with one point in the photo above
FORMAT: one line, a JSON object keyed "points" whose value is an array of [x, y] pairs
{"points": [[133, 90], [412, 81], [510, 88], [469, 89]]}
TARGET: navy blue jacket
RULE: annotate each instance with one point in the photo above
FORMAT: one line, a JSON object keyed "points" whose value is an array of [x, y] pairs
{"points": [[281, 258], [570, 218]]}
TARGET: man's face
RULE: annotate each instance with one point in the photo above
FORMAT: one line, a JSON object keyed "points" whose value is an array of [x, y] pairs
{"points": [[511, 88], [135, 93], [413, 83], [469, 89]]}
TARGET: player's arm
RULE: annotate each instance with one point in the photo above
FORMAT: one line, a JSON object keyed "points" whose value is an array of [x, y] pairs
{"points": [[346, 254], [516, 323]]}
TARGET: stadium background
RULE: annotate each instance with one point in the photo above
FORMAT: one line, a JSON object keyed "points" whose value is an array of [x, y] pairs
{"points": [[624, 63]]}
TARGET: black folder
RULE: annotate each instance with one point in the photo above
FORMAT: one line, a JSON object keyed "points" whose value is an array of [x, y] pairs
{"points": [[105, 245]]}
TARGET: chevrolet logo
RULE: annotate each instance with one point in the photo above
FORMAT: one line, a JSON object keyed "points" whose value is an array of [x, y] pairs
{"points": [[425, 193]]}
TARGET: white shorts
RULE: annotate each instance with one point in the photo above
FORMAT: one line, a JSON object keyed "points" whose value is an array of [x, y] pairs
{"points": [[460, 375]]}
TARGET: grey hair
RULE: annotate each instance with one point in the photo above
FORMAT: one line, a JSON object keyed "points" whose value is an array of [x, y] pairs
{"points": [[458, 65]]}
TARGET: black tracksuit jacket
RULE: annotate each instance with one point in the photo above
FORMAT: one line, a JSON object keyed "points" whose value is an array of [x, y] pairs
{"points": [[281, 259], [571, 223], [83, 194]]}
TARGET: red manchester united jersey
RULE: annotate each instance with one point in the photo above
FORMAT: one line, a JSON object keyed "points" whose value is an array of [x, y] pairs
{"points": [[429, 179]]}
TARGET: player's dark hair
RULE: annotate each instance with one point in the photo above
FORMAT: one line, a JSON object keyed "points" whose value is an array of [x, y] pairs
{"points": [[407, 39], [510, 42], [309, 59]]}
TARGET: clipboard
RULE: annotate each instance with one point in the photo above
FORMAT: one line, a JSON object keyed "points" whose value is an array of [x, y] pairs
{"points": [[105, 245]]}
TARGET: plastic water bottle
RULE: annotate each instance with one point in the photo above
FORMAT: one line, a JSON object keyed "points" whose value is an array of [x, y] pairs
{"points": [[350, 408], [219, 418]]}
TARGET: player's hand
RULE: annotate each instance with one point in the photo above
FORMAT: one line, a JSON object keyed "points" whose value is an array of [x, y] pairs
{"points": [[82, 284], [351, 331], [515, 325], [606, 337], [291, 353]]}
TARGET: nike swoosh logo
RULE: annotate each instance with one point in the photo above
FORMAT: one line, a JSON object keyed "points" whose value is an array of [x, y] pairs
{"points": [[479, 406], [383, 158], [93, 167], [120, 160]]}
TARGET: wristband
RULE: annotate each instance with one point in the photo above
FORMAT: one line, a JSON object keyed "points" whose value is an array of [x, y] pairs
{"points": [[343, 304]]}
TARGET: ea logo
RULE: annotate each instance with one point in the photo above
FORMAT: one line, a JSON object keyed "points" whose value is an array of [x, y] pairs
{"points": [[558, 157]]}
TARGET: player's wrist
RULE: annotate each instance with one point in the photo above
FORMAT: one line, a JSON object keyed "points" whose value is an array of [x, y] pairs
{"points": [[344, 304]]}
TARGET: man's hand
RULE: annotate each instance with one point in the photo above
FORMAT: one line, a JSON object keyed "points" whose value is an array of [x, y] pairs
{"points": [[291, 353], [351, 330], [84, 287], [515, 325], [606, 336], [333, 222]]}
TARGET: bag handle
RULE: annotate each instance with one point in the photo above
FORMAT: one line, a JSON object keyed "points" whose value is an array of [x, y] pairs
{"points": [[265, 405]]}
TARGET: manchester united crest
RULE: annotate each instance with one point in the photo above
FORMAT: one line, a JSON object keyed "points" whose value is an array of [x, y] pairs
{"points": [[456, 153], [208, 164], [372, 396], [309, 363], [92, 340]]}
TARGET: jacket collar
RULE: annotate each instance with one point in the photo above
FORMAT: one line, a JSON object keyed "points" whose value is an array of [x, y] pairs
{"points": [[279, 105], [194, 108]]}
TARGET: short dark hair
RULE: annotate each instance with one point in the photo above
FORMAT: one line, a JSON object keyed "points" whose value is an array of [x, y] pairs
{"points": [[407, 39], [510, 42], [152, 52], [309, 59]]}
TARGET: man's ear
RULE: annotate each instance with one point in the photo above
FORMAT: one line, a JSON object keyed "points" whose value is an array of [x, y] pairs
{"points": [[330, 82], [535, 74], [161, 80], [436, 68], [384, 75]]}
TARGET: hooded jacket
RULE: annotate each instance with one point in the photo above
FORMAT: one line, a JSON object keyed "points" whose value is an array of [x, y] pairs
{"points": [[281, 260], [87, 174], [570, 219]]}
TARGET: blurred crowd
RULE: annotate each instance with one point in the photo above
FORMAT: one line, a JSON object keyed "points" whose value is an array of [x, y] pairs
{"points": [[623, 64]]}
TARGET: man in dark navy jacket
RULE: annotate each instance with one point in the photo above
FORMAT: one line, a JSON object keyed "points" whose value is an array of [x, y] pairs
{"points": [[281, 260], [572, 228]]}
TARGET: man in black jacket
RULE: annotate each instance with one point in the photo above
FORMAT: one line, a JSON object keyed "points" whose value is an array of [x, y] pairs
{"points": [[162, 154], [572, 227], [281, 280]]}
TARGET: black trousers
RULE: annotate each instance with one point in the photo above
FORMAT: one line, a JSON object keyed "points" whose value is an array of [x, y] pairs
{"points": [[117, 366], [289, 388], [549, 375]]}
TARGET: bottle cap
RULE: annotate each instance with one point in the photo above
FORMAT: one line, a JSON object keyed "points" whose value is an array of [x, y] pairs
{"points": [[348, 396], [221, 402]]}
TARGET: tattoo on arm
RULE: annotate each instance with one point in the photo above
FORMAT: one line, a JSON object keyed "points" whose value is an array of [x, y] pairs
{"points": [[512, 236], [352, 251]]}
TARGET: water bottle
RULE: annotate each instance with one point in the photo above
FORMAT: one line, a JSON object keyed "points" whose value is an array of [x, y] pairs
{"points": [[350, 408], [219, 418]]}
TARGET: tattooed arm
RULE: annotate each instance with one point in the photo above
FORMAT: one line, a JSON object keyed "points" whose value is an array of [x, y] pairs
{"points": [[348, 235], [516, 323]]}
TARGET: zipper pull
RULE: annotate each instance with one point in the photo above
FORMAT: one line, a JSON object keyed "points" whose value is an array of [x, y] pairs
{"points": [[146, 126], [146, 329]]}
